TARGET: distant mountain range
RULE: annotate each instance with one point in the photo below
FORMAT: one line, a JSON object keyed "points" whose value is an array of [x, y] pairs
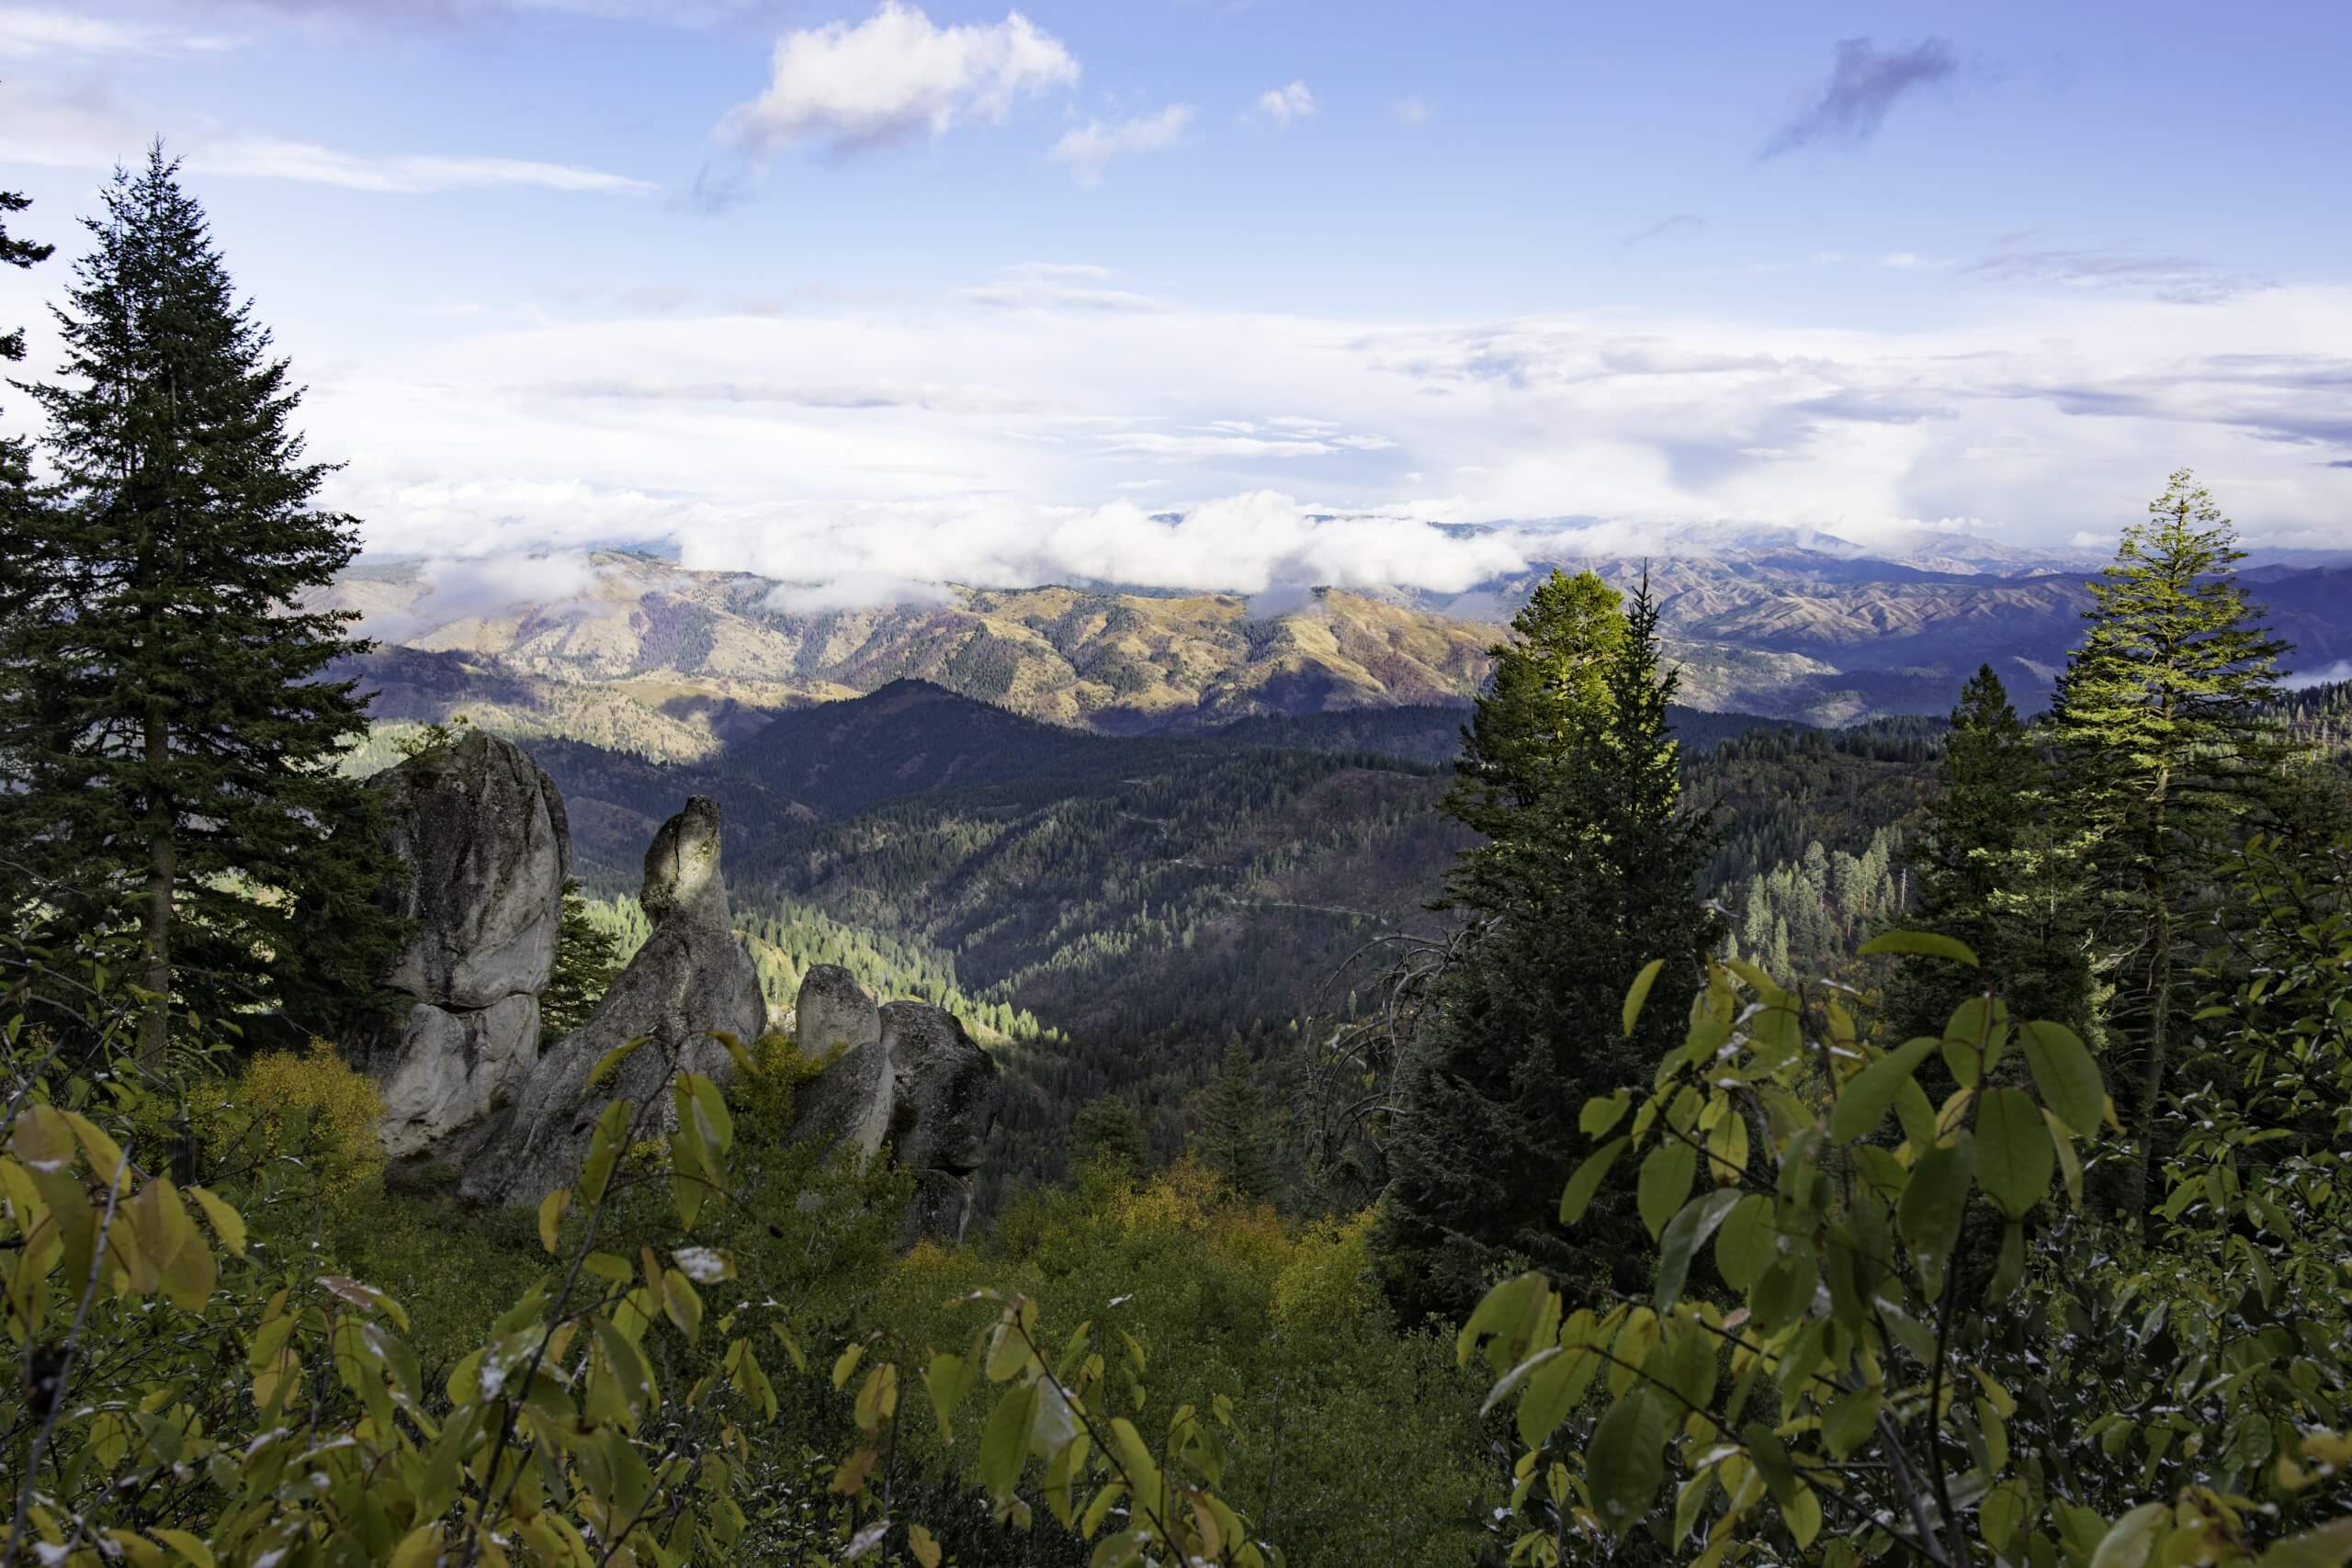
{"points": [[642, 655]]}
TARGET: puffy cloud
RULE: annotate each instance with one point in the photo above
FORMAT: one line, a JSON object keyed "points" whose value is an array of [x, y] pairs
{"points": [[1091, 146], [1282, 105], [1864, 86], [894, 74]]}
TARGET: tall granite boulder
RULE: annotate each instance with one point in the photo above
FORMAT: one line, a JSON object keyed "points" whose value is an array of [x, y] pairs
{"points": [[691, 978], [480, 834], [923, 1087], [834, 1011]]}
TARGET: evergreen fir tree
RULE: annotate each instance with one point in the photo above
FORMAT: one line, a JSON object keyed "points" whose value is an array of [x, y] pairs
{"points": [[1237, 1134], [1107, 1132], [164, 701], [19, 503], [1547, 680], [587, 957], [1998, 869], [2163, 748], [1575, 891]]}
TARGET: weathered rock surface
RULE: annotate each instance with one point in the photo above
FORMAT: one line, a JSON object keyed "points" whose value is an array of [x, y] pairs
{"points": [[923, 1087], [832, 1011], [690, 978], [481, 834]]}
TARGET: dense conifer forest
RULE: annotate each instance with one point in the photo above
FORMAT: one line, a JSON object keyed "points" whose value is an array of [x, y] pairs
{"points": [[1564, 1129]]}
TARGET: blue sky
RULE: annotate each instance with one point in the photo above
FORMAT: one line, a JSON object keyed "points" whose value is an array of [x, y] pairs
{"points": [[873, 297]]}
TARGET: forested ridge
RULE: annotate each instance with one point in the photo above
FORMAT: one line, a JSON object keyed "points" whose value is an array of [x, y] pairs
{"points": [[1921, 1143]]}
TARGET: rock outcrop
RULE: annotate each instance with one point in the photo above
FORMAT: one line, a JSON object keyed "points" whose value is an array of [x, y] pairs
{"points": [[479, 830], [692, 977], [834, 1011], [920, 1087]]}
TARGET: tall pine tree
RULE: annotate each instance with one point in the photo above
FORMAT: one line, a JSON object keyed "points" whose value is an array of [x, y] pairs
{"points": [[165, 703], [1238, 1133], [1574, 892], [1547, 677], [2163, 748], [1997, 867], [19, 502]]}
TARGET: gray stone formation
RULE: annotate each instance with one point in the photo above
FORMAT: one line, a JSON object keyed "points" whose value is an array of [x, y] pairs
{"points": [[478, 829], [920, 1085], [690, 978], [834, 1011]]}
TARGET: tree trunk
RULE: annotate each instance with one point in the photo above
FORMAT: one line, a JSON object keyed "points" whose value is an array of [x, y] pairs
{"points": [[2152, 1062], [163, 868]]}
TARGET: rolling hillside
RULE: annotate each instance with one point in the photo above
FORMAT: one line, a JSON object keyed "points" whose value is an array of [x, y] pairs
{"points": [[631, 653]]}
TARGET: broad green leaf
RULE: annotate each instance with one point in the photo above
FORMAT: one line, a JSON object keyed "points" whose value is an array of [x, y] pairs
{"points": [[1770, 1457], [2000, 1514], [2070, 1168], [227, 1223], [1602, 1113], [2014, 1159], [1514, 1317], [188, 1546], [1519, 1374], [2064, 1074], [1803, 1516], [1625, 1465], [552, 1208], [2132, 1538], [1747, 1243], [1920, 944], [947, 1379], [1553, 1391], [1974, 1038], [1784, 1291], [1664, 1183], [1586, 1180], [1930, 1214], [1004, 1444], [1862, 1102], [1847, 1422], [1641, 991], [1685, 1233], [2329, 1546]]}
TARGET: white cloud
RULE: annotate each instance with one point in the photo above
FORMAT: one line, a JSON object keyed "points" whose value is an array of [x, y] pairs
{"points": [[1412, 110], [92, 130], [889, 441], [893, 75], [29, 32], [1088, 148], [1283, 105]]}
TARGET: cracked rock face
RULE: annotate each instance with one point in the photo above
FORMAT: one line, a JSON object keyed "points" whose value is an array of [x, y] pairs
{"points": [[478, 829], [924, 1090], [690, 978]]}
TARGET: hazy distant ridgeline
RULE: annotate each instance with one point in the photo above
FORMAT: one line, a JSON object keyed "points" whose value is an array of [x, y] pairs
{"points": [[640, 655]]}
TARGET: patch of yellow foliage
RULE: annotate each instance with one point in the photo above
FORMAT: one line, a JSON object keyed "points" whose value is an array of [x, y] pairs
{"points": [[312, 1106]]}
